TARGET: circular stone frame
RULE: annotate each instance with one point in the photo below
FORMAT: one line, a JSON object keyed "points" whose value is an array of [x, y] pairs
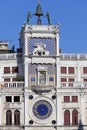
{"points": [[47, 117]]}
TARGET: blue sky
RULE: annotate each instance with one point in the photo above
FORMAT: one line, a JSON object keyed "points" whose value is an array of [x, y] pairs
{"points": [[72, 14]]}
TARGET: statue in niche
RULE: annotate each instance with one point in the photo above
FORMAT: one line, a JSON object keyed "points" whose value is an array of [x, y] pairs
{"points": [[40, 49], [42, 77]]}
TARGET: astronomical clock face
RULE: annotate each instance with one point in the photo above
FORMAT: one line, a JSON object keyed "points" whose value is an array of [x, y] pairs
{"points": [[42, 109]]}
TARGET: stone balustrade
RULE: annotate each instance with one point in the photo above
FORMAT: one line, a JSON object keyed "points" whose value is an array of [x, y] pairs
{"points": [[12, 85], [73, 56], [10, 56], [73, 85]]}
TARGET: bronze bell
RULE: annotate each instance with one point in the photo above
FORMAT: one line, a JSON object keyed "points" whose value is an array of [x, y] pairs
{"points": [[39, 10]]}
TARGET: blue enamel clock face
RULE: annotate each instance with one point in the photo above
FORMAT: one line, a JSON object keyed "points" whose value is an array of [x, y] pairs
{"points": [[42, 109]]}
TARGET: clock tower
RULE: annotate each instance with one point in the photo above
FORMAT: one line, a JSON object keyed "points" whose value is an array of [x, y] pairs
{"points": [[40, 45]]}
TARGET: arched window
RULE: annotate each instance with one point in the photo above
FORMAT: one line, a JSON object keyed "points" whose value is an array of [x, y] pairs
{"points": [[67, 117], [8, 117], [17, 117], [74, 117]]}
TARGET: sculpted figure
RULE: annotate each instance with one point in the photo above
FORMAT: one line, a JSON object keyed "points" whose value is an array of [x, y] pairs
{"points": [[40, 49], [29, 17], [48, 18]]}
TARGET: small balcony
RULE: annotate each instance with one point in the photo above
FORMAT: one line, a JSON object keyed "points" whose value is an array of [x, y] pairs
{"points": [[41, 88]]}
